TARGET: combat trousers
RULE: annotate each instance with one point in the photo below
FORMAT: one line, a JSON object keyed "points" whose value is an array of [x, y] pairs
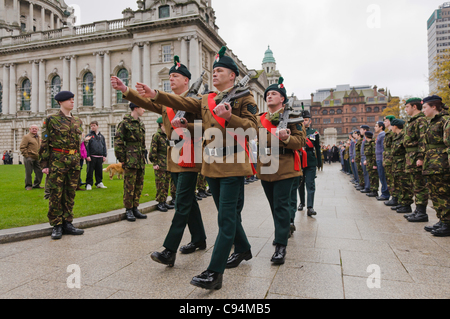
{"points": [[293, 201], [366, 177], [419, 185], [228, 194], [201, 182], [62, 184], [133, 183], [374, 180], [279, 196], [439, 188], [360, 172], [308, 180], [390, 180], [187, 212], [402, 183], [163, 181]]}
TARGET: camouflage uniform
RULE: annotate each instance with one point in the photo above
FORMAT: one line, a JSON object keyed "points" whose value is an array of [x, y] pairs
{"points": [[416, 127], [358, 162], [61, 138], [388, 161], [201, 182], [129, 147], [401, 179], [436, 166], [369, 152], [158, 156]]}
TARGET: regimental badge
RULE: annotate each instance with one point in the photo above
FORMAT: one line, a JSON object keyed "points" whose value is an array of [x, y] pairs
{"points": [[312, 137]]}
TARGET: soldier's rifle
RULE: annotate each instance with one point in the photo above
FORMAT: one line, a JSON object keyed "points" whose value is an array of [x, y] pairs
{"points": [[193, 92], [240, 90], [285, 118]]}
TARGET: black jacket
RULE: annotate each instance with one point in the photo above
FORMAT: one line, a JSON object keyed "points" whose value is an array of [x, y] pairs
{"points": [[96, 145]]}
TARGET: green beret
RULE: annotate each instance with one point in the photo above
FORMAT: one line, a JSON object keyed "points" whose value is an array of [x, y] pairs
{"points": [[225, 62], [180, 68], [414, 100], [390, 118], [397, 122], [279, 88], [160, 120]]}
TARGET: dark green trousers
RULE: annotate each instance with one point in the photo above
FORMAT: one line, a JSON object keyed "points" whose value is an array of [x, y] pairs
{"points": [[228, 194], [294, 201], [309, 180], [187, 212], [279, 196]]}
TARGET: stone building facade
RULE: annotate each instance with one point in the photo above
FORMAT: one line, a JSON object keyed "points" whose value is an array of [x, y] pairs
{"points": [[42, 53]]}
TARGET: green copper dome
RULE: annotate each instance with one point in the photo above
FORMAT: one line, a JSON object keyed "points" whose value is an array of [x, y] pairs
{"points": [[268, 57]]}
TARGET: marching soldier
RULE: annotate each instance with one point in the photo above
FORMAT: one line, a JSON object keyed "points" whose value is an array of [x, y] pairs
{"points": [[436, 166], [371, 164], [401, 179], [184, 172], [284, 168], [224, 166], [314, 160], [415, 128], [60, 159], [388, 161], [129, 147], [159, 157]]}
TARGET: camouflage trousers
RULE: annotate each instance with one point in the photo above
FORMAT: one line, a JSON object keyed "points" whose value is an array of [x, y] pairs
{"points": [[419, 185], [390, 180], [403, 187], [360, 172], [62, 184], [163, 181], [439, 188], [201, 182], [133, 184], [374, 179]]}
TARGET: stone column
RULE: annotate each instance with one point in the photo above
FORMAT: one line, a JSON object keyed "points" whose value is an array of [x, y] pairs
{"points": [[34, 86], [43, 26], [12, 89], [107, 79], [2, 11], [194, 58], [146, 69], [98, 81], [42, 88], [136, 65], [184, 51], [52, 21], [66, 75], [6, 84], [30, 18], [73, 79], [16, 12]]}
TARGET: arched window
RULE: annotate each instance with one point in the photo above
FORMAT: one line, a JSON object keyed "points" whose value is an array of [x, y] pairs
{"points": [[354, 120], [369, 110], [354, 109], [164, 12], [325, 112], [55, 88], [25, 95], [376, 109], [123, 75], [88, 89], [332, 112], [339, 111]]}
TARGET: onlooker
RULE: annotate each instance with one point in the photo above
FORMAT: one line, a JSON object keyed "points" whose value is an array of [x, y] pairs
{"points": [[11, 157], [96, 156], [83, 156], [29, 147], [379, 150]]}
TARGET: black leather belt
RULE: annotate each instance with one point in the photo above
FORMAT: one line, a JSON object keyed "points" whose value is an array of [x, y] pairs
{"points": [[224, 151], [276, 151]]}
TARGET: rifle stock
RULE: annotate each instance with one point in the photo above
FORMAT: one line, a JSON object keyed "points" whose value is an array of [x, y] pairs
{"points": [[193, 92]]}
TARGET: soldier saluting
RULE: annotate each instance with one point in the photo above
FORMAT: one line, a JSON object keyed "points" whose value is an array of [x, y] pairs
{"points": [[60, 159], [225, 166], [279, 180]]}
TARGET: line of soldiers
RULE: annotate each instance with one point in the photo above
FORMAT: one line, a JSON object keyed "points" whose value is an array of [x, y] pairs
{"points": [[416, 161]]}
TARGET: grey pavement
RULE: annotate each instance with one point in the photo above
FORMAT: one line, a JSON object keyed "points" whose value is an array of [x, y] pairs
{"points": [[338, 254]]}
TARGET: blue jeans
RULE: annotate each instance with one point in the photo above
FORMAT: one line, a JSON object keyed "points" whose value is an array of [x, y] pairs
{"points": [[382, 176]]}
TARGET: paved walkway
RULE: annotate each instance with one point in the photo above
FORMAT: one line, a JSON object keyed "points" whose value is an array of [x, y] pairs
{"points": [[328, 256]]}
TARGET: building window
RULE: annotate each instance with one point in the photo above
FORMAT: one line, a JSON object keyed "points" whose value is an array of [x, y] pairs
{"points": [[112, 134], [376, 109], [332, 112], [325, 112], [337, 102], [124, 77], [164, 12], [207, 18], [354, 109], [339, 111], [354, 120], [338, 120], [166, 86], [167, 53], [88, 89], [369, 110], [371, 119], [55, 88], [26, 95], [326, 121]]}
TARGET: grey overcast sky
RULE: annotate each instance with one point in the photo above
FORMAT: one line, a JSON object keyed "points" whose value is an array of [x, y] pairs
{"points": [[319, 44]]}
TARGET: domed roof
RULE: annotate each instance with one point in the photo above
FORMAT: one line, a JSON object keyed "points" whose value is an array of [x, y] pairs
{"points": [[268, 56]]}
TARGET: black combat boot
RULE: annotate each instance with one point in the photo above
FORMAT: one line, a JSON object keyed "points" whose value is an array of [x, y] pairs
{"points": [[392, 202], [166, 257], [162, 207], [311, 212], [129, 215], [57, 232], [404, 209], [69, 229], [138, 214], [420, 215], [443, 231], [279, 256]]}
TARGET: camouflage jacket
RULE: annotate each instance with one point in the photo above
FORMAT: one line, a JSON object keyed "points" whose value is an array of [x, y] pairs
{"points": [[415, 127], [369, 152], [61, 133], [129, 143], [398, 152], [388, 160], [447, 138], [432, 144], [158, 150]]}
